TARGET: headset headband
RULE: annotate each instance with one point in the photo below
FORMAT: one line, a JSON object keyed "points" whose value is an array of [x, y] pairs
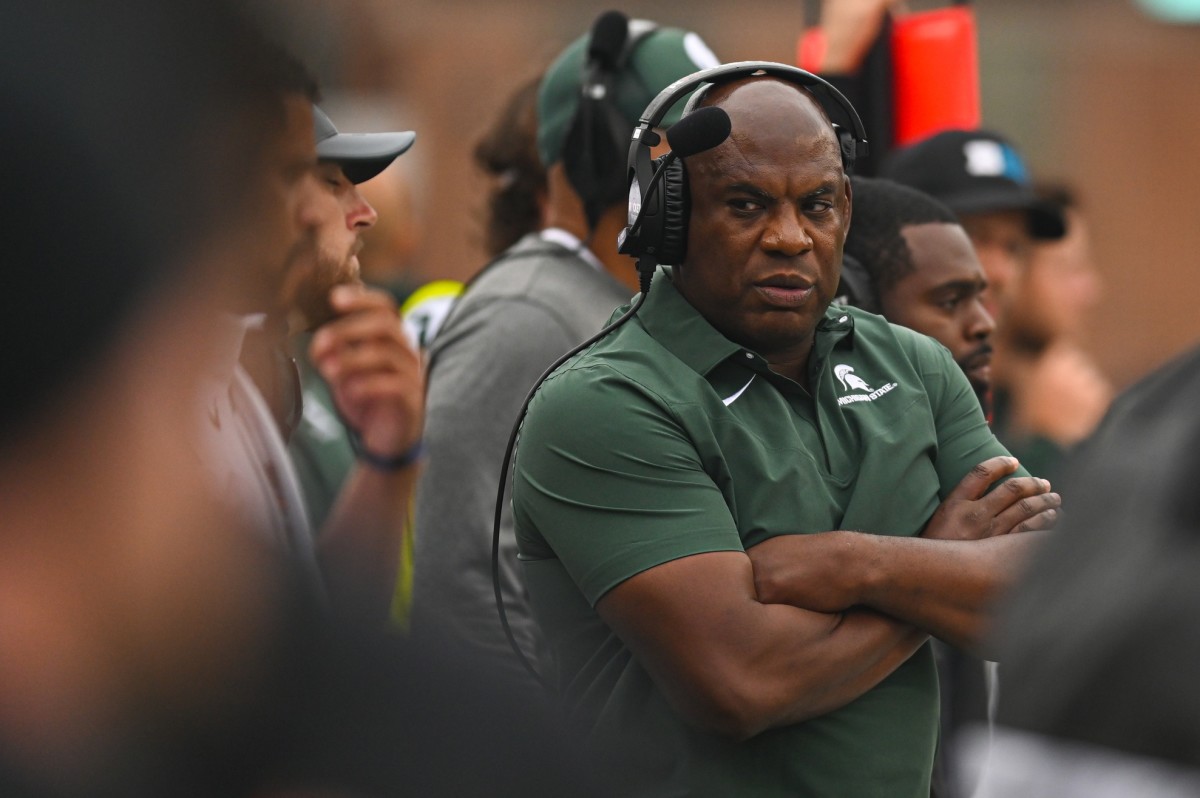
{"points": [[656, 229], [727, 73]]}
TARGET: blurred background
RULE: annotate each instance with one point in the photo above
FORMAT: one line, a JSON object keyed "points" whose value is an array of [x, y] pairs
{"points": [[1100, 94]]}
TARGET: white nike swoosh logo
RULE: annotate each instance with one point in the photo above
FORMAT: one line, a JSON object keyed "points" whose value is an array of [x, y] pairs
{"points": [[728, 400]]}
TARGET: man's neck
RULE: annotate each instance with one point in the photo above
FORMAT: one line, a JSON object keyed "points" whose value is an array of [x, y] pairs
{"points": [[604, 244], [564, 210]]}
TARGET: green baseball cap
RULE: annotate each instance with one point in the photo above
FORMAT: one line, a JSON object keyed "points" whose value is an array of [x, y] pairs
{"points": [[658, 59]]}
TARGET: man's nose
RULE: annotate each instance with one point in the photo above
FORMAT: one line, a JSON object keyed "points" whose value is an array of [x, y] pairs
{"points": [[786, 234], [361, 214], [980, 324]]}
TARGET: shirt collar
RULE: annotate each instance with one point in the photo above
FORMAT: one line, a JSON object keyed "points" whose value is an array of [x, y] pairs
{"points": [[836, 330], [569, 241], [673, 322], [229, 332]]}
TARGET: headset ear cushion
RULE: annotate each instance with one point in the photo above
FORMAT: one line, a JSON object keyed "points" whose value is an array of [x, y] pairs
{"points": [[849, 148], [675, 214]]}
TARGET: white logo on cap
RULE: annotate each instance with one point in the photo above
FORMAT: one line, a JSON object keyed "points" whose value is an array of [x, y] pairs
{"points": [[699, 52], [640, 27], [984, 158]]}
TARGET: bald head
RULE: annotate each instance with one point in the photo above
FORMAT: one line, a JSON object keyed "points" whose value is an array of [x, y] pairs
{"points": [[767, 111]]}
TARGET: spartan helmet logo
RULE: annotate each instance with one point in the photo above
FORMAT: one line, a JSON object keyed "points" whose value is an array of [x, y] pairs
{"points": [[849, 380]]}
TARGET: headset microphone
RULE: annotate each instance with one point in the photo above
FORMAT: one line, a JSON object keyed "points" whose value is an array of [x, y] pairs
{"points": [[700, 130]]}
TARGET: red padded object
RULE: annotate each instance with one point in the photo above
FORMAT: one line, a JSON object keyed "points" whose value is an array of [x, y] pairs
{"points": [[935, 73]]}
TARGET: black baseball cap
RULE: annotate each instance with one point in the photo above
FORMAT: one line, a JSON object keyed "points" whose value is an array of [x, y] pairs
{"points": [[975, 171], [361, 155]]}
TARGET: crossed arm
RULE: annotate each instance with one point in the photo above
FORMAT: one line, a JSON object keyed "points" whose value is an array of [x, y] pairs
{"points": [[719, 634], [943, 581], [735, 665]]}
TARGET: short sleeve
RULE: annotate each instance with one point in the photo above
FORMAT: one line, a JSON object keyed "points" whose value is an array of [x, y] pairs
{"points": [[607, 480], [963, 435]]}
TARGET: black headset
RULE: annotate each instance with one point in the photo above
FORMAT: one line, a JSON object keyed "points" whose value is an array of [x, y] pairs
{"points": [[658, 190], [595, 139]]}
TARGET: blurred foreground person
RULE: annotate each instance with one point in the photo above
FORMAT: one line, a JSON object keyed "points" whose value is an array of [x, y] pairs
{"points": [[1099, 641], [136, 613], [152, 641]]}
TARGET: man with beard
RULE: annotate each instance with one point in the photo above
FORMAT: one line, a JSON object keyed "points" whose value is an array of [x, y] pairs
{"points": [[923, 273], [982, 177], [712, 622], [341, 708], [361, 371], [358, 348], [322, 447]]}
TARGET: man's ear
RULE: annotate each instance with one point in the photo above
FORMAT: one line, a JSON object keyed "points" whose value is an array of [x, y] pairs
{"points": [[849, 210]]}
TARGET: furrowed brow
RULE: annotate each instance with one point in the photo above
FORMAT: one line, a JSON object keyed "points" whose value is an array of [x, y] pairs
{"points": [[761, 194], [961, 286], [748, 188], [822, 191]]}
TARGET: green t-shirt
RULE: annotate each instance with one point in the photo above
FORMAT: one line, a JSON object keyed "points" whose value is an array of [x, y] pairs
{"points": [[666, 439], [319, 446]]}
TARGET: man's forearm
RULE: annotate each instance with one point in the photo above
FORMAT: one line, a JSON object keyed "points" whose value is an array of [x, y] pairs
{"points": [[862, 650], [359, 546], [736, 666], [946, 588]]}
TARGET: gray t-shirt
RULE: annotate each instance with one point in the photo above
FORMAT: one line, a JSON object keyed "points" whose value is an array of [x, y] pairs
{"points": [[534, 304]]}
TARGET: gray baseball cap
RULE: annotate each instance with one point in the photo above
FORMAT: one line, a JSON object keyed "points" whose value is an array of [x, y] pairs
{"points": [[361, 155]]}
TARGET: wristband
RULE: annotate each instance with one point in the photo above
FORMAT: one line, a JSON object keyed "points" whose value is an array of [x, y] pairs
{"points": [[381, 463]]}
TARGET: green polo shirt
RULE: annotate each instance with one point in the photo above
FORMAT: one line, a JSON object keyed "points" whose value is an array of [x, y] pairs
{"points": [[664, 440]]}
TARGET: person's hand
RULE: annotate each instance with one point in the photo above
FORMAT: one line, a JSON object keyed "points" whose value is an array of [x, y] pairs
{"points": [[1022, 504], [375, 377], [1062, 395], [849, 27]]}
